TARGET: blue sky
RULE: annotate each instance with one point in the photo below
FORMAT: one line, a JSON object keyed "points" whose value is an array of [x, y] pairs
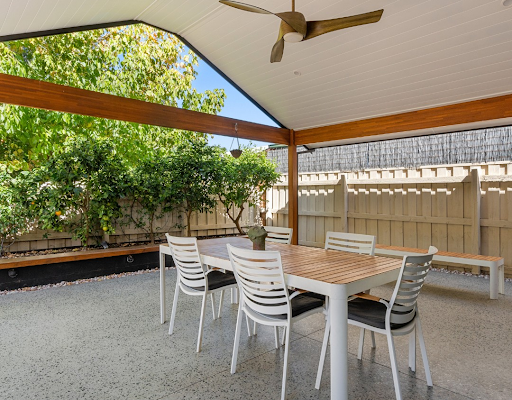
{"points": [[235, 106]]}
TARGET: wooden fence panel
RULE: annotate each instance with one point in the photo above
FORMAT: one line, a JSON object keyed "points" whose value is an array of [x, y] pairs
{"points": [[453, 207]]}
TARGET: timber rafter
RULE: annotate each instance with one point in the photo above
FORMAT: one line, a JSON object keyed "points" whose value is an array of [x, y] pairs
{"points": [[49, 96]]}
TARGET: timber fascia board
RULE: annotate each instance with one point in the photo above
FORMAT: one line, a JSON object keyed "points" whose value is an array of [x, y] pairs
{"points": [[488, 109]]}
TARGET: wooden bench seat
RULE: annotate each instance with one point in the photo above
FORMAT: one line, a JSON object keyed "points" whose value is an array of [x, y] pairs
{"points": [[495, 264], [18, 262]]}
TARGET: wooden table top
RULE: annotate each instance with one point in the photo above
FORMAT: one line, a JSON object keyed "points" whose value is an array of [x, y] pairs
{"points": [[330, 266]]}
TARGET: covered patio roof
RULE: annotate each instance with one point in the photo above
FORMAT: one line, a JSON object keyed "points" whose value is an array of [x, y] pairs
{"points": [[421, 55]]}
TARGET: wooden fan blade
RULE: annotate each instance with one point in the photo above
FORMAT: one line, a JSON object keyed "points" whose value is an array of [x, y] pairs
{"points": [[277, 51], [317, 28], [296, 20], [245, 7]]}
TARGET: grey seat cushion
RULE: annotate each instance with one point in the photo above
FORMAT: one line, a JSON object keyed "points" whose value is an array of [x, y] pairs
{"points": [[301, 304], [218, 279], [369, 312], [315, 295]]}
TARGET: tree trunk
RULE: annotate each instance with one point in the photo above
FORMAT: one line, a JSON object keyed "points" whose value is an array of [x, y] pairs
{"points": [[237, 223], [189, 214], [237, 220]]}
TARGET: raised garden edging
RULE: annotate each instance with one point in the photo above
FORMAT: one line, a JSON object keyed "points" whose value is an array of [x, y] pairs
{"points": [[46, 269]]}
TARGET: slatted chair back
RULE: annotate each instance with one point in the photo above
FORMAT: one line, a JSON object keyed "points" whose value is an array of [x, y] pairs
{"points": [[403, 304], [260, 277], [187, 261], [351, 242], [279, 235]]}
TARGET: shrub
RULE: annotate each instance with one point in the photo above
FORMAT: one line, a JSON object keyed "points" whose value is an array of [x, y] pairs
{"points": [[243, 180], [153, 188], [14, 210], [194, 167], [78, 189]]}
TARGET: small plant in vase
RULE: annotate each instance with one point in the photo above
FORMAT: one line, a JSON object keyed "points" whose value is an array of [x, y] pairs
{"points": [[257, 235]]}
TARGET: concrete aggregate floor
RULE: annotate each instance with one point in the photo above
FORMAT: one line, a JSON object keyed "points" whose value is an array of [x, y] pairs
{"points": [[103, 341]]}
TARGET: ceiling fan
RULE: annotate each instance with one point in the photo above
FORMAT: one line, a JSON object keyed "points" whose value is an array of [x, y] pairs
{"points": [[294, 27]]}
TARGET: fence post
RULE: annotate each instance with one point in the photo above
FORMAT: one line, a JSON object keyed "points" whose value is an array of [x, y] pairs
{"points": [[475, 216], [343, 202]]}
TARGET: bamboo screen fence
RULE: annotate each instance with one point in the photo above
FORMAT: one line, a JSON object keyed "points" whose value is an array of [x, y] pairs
{"points": [[476, 146], [461, 208]]}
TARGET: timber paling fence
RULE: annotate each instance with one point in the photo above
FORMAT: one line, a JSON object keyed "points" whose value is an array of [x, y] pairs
{"points": [[464, 208], [202, 224]]}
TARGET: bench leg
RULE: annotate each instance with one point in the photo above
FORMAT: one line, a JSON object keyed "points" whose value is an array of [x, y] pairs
{"points": [[501, 270], [494, 283]]}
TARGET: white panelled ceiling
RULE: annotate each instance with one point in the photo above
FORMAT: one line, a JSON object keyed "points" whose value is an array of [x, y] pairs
{"points": [[422, 53]]}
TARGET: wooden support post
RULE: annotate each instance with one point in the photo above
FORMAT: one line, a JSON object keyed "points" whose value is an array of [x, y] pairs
{"points": [[344, 203], [475, 216], [293, 188]]}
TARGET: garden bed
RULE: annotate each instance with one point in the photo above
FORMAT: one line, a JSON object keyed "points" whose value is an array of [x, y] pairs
{"points": [[18, 272]]}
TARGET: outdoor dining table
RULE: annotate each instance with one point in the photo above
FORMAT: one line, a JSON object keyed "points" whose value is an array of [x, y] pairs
{"points": [[333, 273]]}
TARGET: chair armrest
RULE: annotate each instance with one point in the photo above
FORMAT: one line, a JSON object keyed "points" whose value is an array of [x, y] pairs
{"points": [[367, 296], [297, 292], [213, 269]]}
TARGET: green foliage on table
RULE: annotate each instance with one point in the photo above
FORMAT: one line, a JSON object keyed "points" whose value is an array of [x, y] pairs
{"points": [[14, 210], [242, 181], [77, 190], [134, 61]]}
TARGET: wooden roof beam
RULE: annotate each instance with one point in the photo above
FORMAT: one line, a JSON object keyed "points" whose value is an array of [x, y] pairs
{"points": [[455, 114], [49, 96]]}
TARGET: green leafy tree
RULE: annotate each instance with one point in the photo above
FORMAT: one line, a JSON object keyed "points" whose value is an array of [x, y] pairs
{"points": [[195, 169], [152, 186], [77, 190], [242, 181], [134, 61], [14, 210]]}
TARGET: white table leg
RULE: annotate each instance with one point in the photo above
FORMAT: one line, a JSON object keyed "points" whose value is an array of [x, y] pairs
{"points": [[339, 344], [162, 287]]}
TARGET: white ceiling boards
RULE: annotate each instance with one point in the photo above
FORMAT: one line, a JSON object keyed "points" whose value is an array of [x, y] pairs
{"points": [[421, 54]]}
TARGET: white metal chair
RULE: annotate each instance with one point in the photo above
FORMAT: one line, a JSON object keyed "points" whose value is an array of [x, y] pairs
{"points": [[352, 242], [277, 234], [397, 317], [265, 298], [193, 279]]}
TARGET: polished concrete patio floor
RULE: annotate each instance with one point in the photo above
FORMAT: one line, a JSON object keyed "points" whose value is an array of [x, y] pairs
{"points": [[103, 340]]}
